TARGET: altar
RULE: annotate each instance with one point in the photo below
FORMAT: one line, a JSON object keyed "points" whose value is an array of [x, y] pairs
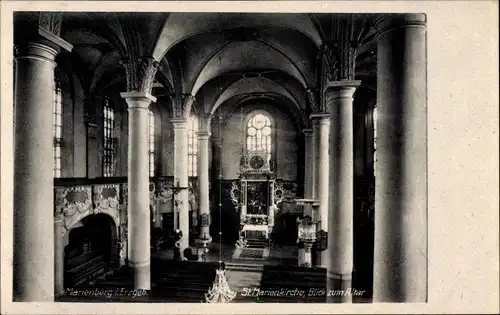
{"points": [[254, 196]]}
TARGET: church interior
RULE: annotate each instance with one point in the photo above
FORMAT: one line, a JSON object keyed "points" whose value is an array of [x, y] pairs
{"points": [[155, 149]]}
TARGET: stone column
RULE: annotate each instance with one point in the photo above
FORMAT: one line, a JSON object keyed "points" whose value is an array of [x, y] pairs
{"points": [[321, 123], [204, 208], [400, 258], [33, 265], [139, 215], [339, 98], [181, 178], [59, 256]]}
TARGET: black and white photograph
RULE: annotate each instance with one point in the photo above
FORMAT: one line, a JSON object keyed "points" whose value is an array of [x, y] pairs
{"points": [[227, 157]]}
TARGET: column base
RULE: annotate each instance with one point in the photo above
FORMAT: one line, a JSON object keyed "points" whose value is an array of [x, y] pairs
{"points": [[142, 275], [339, 288]]}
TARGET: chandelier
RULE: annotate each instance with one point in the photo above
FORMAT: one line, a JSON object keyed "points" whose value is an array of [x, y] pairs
{"points": [[220, 292]]}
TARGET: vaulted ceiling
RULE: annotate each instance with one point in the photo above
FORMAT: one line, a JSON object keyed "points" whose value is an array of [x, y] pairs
{"points": [[217, 57]]}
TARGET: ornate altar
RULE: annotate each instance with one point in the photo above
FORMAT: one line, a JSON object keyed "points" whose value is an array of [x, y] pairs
{"points": [[253, 195]]}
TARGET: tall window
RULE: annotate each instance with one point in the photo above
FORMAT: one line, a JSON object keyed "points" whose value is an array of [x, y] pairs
{"points": [[109, 137], [192, 146], [152, 141], [259, 134], [374, 138], [57, 129]]}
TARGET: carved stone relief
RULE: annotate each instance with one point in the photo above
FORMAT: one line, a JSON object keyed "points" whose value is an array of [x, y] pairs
{"points": [[140, 73], [164, 191], [182, 109], [72, 204], [51, 21], [235, 194], [284, 191]]}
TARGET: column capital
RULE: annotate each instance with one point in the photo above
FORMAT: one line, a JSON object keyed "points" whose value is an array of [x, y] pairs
{"points": [[140, 72], [319, 116], [339, 52], [203, 135], [179, 123], [312, 98], [41, 27], [136, 99], [182, 108], [341, 89], [307, 131], [35, 50], [388, 22]]}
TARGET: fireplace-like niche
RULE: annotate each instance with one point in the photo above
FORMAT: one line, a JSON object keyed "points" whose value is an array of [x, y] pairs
{"points": [[253, 196]]}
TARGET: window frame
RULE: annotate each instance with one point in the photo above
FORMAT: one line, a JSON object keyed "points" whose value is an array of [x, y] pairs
{"points": [[109, 138], [152, 140], [193, 129], [272, 136], [57, 134]]}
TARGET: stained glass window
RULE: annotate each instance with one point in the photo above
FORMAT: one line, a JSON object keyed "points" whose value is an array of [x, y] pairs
{"points": [[57, 129], [259, 134], [109, 138], [192, 146]]}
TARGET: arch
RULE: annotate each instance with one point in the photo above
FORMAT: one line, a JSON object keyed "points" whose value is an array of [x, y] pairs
{"points": [[92, 242], [180, 26], [283, 104], [258, 57], [252, 85]]}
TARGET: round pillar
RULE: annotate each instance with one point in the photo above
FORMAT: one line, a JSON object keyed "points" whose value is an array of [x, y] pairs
{"points": [[339, 99], [59, 257], [400, 254], [321, 124], [33, 265], [204, 209], [139, 214], [181, 178]]}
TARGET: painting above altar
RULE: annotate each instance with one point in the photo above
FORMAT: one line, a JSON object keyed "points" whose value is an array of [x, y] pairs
{"points": [[257, 197]]}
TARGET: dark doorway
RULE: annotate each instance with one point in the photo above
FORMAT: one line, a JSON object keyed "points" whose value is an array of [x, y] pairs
{"points": [[91, 250]]}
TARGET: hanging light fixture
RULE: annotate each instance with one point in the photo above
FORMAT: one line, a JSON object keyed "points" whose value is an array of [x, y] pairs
{"points": [[220, 292]]}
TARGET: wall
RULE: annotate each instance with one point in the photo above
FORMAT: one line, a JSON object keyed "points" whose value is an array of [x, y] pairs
{"points": [[285, 143]]}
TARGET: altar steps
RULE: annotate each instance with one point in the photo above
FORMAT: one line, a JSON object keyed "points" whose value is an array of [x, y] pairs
{"points": [[255, 242]]}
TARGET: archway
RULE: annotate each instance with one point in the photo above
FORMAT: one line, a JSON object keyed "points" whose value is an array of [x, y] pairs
{"points": [[91, 250]]}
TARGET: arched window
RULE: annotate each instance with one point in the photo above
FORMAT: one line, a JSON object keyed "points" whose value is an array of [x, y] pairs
{"points": [[57, 129], [108, 137], [259, 134], [192, 146], [152, 141]]}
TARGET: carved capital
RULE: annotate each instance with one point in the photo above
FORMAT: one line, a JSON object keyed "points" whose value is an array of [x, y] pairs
{"points": [[312, 98], [140, 73], [182, 109], [50, 21], [339, 53]]}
